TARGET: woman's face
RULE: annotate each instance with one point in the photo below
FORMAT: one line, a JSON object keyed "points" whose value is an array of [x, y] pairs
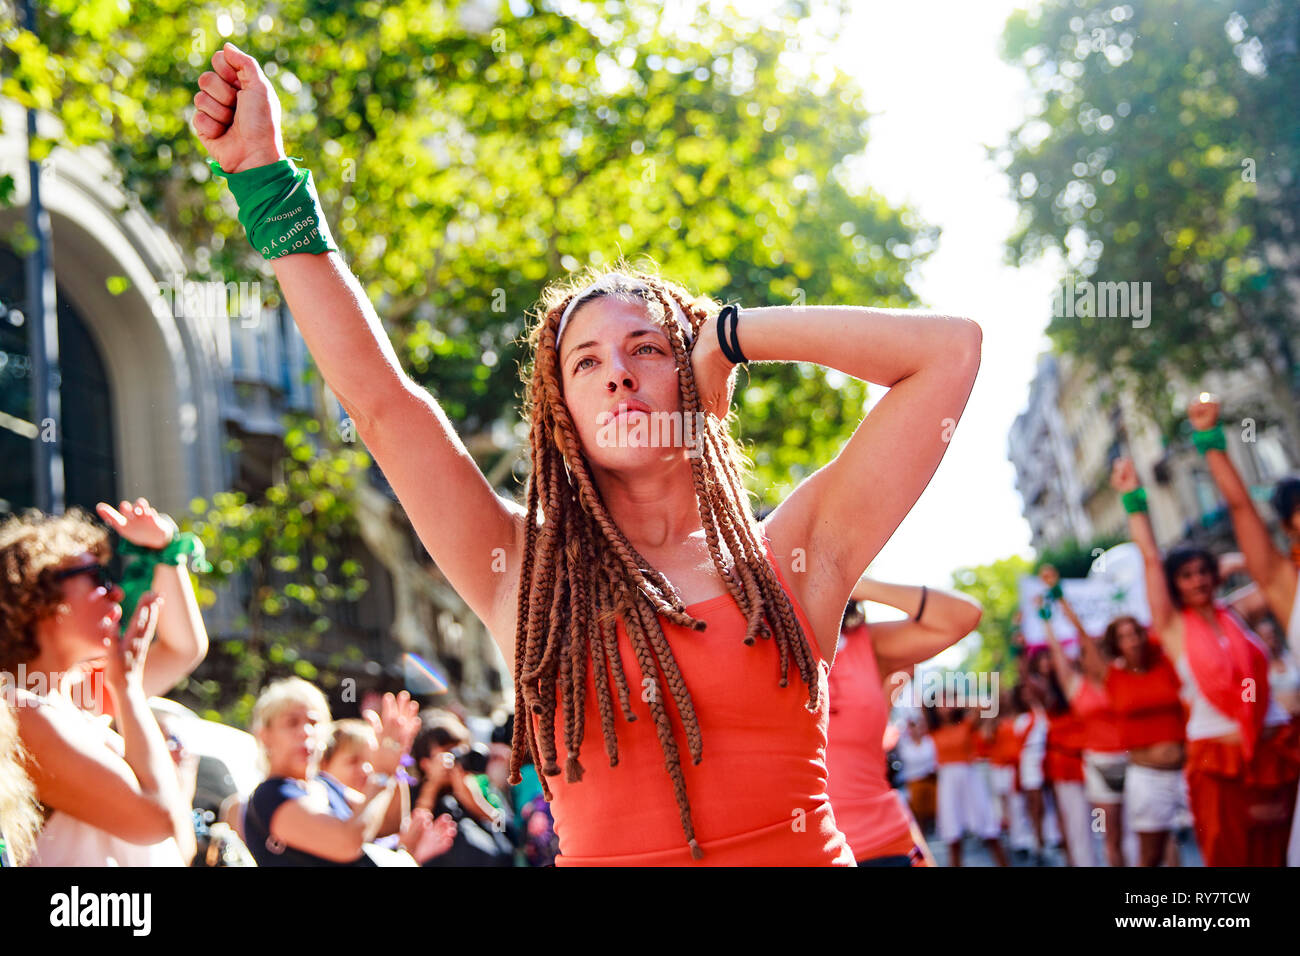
{"points": [[351, 764], [1033, 693], [1195, 583], [1131, 643], [613, 355], [294, 740], [89, 627], [1042, 665]]}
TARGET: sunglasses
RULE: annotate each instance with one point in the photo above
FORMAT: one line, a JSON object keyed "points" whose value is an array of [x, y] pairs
{"points": [[102, 577]]}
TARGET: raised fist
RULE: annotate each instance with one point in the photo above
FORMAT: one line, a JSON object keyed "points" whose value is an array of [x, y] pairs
{"points": [[238, 116]]}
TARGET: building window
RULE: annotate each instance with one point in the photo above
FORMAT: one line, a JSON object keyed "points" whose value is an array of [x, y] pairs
{"points": [[89, 465]]}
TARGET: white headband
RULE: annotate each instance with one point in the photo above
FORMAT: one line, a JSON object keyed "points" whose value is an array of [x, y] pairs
{"points": [[614, 282]]}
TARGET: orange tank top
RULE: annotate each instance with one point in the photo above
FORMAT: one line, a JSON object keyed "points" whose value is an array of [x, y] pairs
{"points": [[866, 807], [1065, 739], [982, 745], [758, 797], [1006, 743], [1100, 723], [1147, 704], [954, 743]]}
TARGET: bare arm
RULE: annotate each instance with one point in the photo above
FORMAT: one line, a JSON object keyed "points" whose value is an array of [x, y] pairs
{"points": [[845, 512], [1271, 569], [470, 531], [1164, 620], [947, 617], [1065, 674], [1094, 668], [320, 833], [181, 641]]}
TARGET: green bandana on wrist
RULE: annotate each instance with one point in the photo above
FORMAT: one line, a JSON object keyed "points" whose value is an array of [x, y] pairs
{"points": [[139, 562], [1045, 612], [1135, 501], [279, 208], [1211, 438]]}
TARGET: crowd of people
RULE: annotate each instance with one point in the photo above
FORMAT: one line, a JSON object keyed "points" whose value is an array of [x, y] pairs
{"points": [[104, 779], [1122, 743], [744, 710], [1116, 746]]}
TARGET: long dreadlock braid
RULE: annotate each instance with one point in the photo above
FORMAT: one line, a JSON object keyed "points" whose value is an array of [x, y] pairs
{"points": [[581, 574]]}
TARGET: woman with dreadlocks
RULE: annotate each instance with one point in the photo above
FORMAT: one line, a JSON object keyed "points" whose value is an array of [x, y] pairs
{"points": [[635, 582]]}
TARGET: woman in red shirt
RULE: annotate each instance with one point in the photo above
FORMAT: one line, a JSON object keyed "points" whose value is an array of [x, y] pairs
{"points": [[1243, 754], [867, 808], [1103, 763], [1143, 689], [633, 581]]}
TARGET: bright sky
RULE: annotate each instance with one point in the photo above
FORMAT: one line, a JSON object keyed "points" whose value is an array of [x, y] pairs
{"points": [[940, 93]]}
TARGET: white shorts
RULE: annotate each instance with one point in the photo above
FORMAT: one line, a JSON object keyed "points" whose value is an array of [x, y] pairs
{"points": [[1155, 800], [963, 804], [1004, 779], [1103, 776], [1031, 770], [1076, 821]]}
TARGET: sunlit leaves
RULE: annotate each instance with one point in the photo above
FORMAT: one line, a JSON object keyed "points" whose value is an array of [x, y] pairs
{"points": [[1177, 163]]}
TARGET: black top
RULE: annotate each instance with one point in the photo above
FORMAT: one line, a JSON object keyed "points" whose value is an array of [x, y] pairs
{"points": [[266, 799]]}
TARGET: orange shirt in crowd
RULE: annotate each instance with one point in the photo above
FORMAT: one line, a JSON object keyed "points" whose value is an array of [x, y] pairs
{"points": [[1006, 743], [758, 797], [981, 744], [867, 809], [1063, 762], [1147, 704], [1101, 732], [954, 743]]}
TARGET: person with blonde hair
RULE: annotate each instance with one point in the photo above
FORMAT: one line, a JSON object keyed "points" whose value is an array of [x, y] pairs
{"points": [[20, 816], [634, 581], [298, 816]]}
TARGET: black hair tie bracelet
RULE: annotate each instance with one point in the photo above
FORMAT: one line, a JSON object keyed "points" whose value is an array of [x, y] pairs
{"points": [[728, 340]]}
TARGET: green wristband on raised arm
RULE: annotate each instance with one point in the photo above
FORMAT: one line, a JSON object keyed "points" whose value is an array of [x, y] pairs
{"points": [[279, 208], [1135, 501], [1210, 439]]}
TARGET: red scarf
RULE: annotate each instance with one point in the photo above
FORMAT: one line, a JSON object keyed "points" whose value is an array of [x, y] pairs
{"points": [[1221, 666]]}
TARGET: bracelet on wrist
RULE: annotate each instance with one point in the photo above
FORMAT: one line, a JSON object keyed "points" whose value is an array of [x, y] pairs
{"points": [[1135, 501], [728, 340], [1210, 439]]}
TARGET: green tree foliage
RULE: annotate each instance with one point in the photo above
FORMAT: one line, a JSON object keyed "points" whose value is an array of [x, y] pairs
{"points": [[465, 161], [288, 554], [1164, 146], [1073, 559], [994, 587]]}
